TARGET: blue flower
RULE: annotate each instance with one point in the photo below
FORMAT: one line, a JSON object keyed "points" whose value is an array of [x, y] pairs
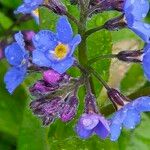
{"points": [[146, 61], [135, 11], [17, 56], [55, 50], [128, 116], [92, 123], [28, 6]]}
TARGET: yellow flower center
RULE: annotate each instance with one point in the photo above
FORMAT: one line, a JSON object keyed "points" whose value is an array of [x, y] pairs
{"points": [[61, 51], [36, 12]]}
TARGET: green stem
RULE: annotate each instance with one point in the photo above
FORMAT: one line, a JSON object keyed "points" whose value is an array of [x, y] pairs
{"points": [[91, 31], [82, 49], [97, 58], [103, 82]]}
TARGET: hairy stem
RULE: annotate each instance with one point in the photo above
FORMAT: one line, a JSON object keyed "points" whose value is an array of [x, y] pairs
{"points": [[97, 58], [82, 49], [91, 31]]}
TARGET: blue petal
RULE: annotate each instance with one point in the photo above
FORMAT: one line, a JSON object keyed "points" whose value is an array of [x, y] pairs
{"points": [[147, 48], [64, 30], [102, 129], [82, 132], [115, 130], [142, 30], [132, 118], [74, 43], [14, 54], [62, 66], [116, 123], [19, 39], [28, 6], [14, 77], [39, 58], [45, 40], [146, 64], [138, 8], [143, 104]]}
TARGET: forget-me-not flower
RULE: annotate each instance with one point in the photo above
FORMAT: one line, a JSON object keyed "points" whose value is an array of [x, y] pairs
{"points": [[92, 122], [17, 56], [55, 50], [135, 11], [128, 116], [28, 6]]}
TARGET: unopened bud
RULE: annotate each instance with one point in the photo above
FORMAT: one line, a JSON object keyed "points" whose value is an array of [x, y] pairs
{"points": [[130, 56], [57, 7], [69, 110], [117, 98], [41, 87], [90, 104], [51, 76], [117, 4], [115, 23], [47, 110]]}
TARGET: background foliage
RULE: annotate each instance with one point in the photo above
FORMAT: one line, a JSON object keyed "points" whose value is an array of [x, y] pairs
{"points": [[19, 129]]}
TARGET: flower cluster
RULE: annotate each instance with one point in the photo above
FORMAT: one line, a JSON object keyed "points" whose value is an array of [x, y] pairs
{"points": [[52, 54]]}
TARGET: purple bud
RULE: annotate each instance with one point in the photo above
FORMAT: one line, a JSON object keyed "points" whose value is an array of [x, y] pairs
{"points": [[47, 110], [115, 23], [90, 104], [28, 35], [117, 98], [51, 76], [68, 112], [130, 56], [56, 6], [41, 87], [117, 4]]}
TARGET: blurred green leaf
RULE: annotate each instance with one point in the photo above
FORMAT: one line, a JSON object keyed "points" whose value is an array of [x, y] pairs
{"points": [[32, 135], [133, 80], [11, 106], [5, 21]]}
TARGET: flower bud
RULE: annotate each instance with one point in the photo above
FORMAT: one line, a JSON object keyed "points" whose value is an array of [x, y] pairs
{"points": [[41, 87], [117, 98], [117, 4], [47, 110], [57, 7], [130, 56], [51, 76], [68, 112], [115, 23], [90, 104]]}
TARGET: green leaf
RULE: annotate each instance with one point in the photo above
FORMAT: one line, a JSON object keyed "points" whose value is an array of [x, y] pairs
{"points": [[11, 106], [5, 21], [48, 19], [32, 135], [133, 80], [9, 3], [99, 43]]}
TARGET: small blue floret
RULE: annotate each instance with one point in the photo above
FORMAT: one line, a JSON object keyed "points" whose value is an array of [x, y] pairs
{"points": [[17, 56]]}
